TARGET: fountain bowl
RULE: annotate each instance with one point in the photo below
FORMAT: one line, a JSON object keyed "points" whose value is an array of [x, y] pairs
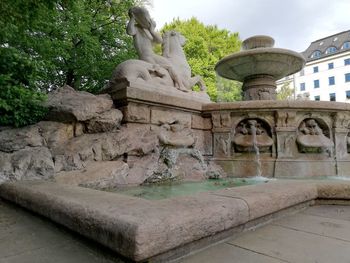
{"points": [[268, 61]]}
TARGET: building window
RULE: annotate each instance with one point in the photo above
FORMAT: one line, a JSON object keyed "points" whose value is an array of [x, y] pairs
{"points": [[330, 65], [347, 61], [347, 77], [347, 93], [331, 81], [332, 96], [315, 69], [331, 50], [346, 45], [316, 54], [302, 86], [317, 83], [317, 98], [302, 73]]}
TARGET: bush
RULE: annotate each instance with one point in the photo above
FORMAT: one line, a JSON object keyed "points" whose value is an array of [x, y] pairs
{"points": [[20, 99]]}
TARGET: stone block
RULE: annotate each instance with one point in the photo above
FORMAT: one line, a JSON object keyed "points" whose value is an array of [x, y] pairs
{"points": [[264, 199], [135, 228], [105, 122], [135, 112], [198, 122], [68, 105], [99, 175], [161, 116], [204, 141], [304, 168]]}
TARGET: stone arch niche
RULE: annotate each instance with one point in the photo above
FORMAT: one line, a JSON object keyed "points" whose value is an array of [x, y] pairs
{"points": [[314, 136], [250, 132], [348, 141]]}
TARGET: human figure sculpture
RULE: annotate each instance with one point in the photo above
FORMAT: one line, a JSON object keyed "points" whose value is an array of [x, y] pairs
{"points": [[142, 28], [249, 130], [311, 138], [176, 135]]}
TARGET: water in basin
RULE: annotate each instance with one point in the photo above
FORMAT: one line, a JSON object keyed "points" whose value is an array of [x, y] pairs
{"points": [[163, 191]]}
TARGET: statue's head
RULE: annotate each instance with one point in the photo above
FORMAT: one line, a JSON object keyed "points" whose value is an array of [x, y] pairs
{"points": [[142, 16]]}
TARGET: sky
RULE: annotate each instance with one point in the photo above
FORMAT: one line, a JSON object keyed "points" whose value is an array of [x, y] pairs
{"points": [[294, 24]]}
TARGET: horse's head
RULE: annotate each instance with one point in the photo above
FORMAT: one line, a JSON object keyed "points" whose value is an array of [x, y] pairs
{"points": [[178, 36], [172, 42]]}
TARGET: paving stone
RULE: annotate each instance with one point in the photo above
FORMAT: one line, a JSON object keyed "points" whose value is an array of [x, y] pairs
{"points": [[330, 211], [27, 238], [226, 253], [323, 226], [294, 246]]}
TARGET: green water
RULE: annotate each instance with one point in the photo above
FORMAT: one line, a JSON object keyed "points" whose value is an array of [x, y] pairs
{"points": [[163, 191]]}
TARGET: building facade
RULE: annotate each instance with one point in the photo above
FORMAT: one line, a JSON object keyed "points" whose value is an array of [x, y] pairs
{"points": [[326, 75]]}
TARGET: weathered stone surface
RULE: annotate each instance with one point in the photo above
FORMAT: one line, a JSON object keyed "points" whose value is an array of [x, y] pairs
{"points": [[179, 164], [142, 168], [26, 164], [333, 190], [55, 133], [142, 140], [271, 197], [75, 153], [159, 117], [134, 227], [198, 122], [90, 147], [99, 175], [104, 122], [176, 135], [16, 139], [68, 105], [204, 141], [135, 112]]}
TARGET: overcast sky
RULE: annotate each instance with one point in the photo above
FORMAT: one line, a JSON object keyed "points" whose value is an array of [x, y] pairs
{"points": [[294, 24]]}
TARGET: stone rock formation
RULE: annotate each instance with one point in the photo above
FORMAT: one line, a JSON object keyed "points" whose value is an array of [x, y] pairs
{"points": [[83, 142]]}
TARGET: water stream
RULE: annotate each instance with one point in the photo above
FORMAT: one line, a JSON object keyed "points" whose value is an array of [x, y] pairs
{"points": [[257, 152]]}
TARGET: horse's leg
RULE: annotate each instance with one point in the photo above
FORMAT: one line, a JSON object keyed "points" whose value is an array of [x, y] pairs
{"points": [[197, 80]]}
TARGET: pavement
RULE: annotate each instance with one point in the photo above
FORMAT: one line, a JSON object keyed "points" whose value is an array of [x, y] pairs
{"points": [[319, 234]]}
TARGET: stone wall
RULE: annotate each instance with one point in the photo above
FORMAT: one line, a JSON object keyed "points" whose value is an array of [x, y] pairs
{"points": [[297, 139]]}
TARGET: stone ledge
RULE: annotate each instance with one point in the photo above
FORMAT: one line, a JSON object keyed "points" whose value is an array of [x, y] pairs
{"points": [[140, 92], [141, 229]]}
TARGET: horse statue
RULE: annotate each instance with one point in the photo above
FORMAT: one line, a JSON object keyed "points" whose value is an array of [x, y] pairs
{"points": [[172, 48], [170, 69]]}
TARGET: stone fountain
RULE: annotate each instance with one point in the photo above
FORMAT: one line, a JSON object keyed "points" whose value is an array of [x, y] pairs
{"points": [[258, 66], [151, 126], [294, 138]]}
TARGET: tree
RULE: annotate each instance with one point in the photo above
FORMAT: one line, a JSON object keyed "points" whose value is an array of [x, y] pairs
{"points": [[285, 92], [47, 43], [205, 46]]}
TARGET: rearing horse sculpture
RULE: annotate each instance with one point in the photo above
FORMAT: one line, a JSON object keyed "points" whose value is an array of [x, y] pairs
{"points": [[172, 49]]}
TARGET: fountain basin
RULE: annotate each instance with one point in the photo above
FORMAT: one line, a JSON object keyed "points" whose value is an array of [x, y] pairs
{"points": [[162, 230], [174, 189], [258, 66], [274, 62]]}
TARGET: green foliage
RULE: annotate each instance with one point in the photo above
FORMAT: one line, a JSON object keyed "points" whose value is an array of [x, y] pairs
{"points": [[77, 42], [228, 90], [285, 92], [205, 46], [45, 44], [20, 101]]}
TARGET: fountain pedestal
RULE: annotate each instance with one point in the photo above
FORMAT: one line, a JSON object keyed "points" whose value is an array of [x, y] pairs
{"points": [[259, 87], [258, 66]]}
